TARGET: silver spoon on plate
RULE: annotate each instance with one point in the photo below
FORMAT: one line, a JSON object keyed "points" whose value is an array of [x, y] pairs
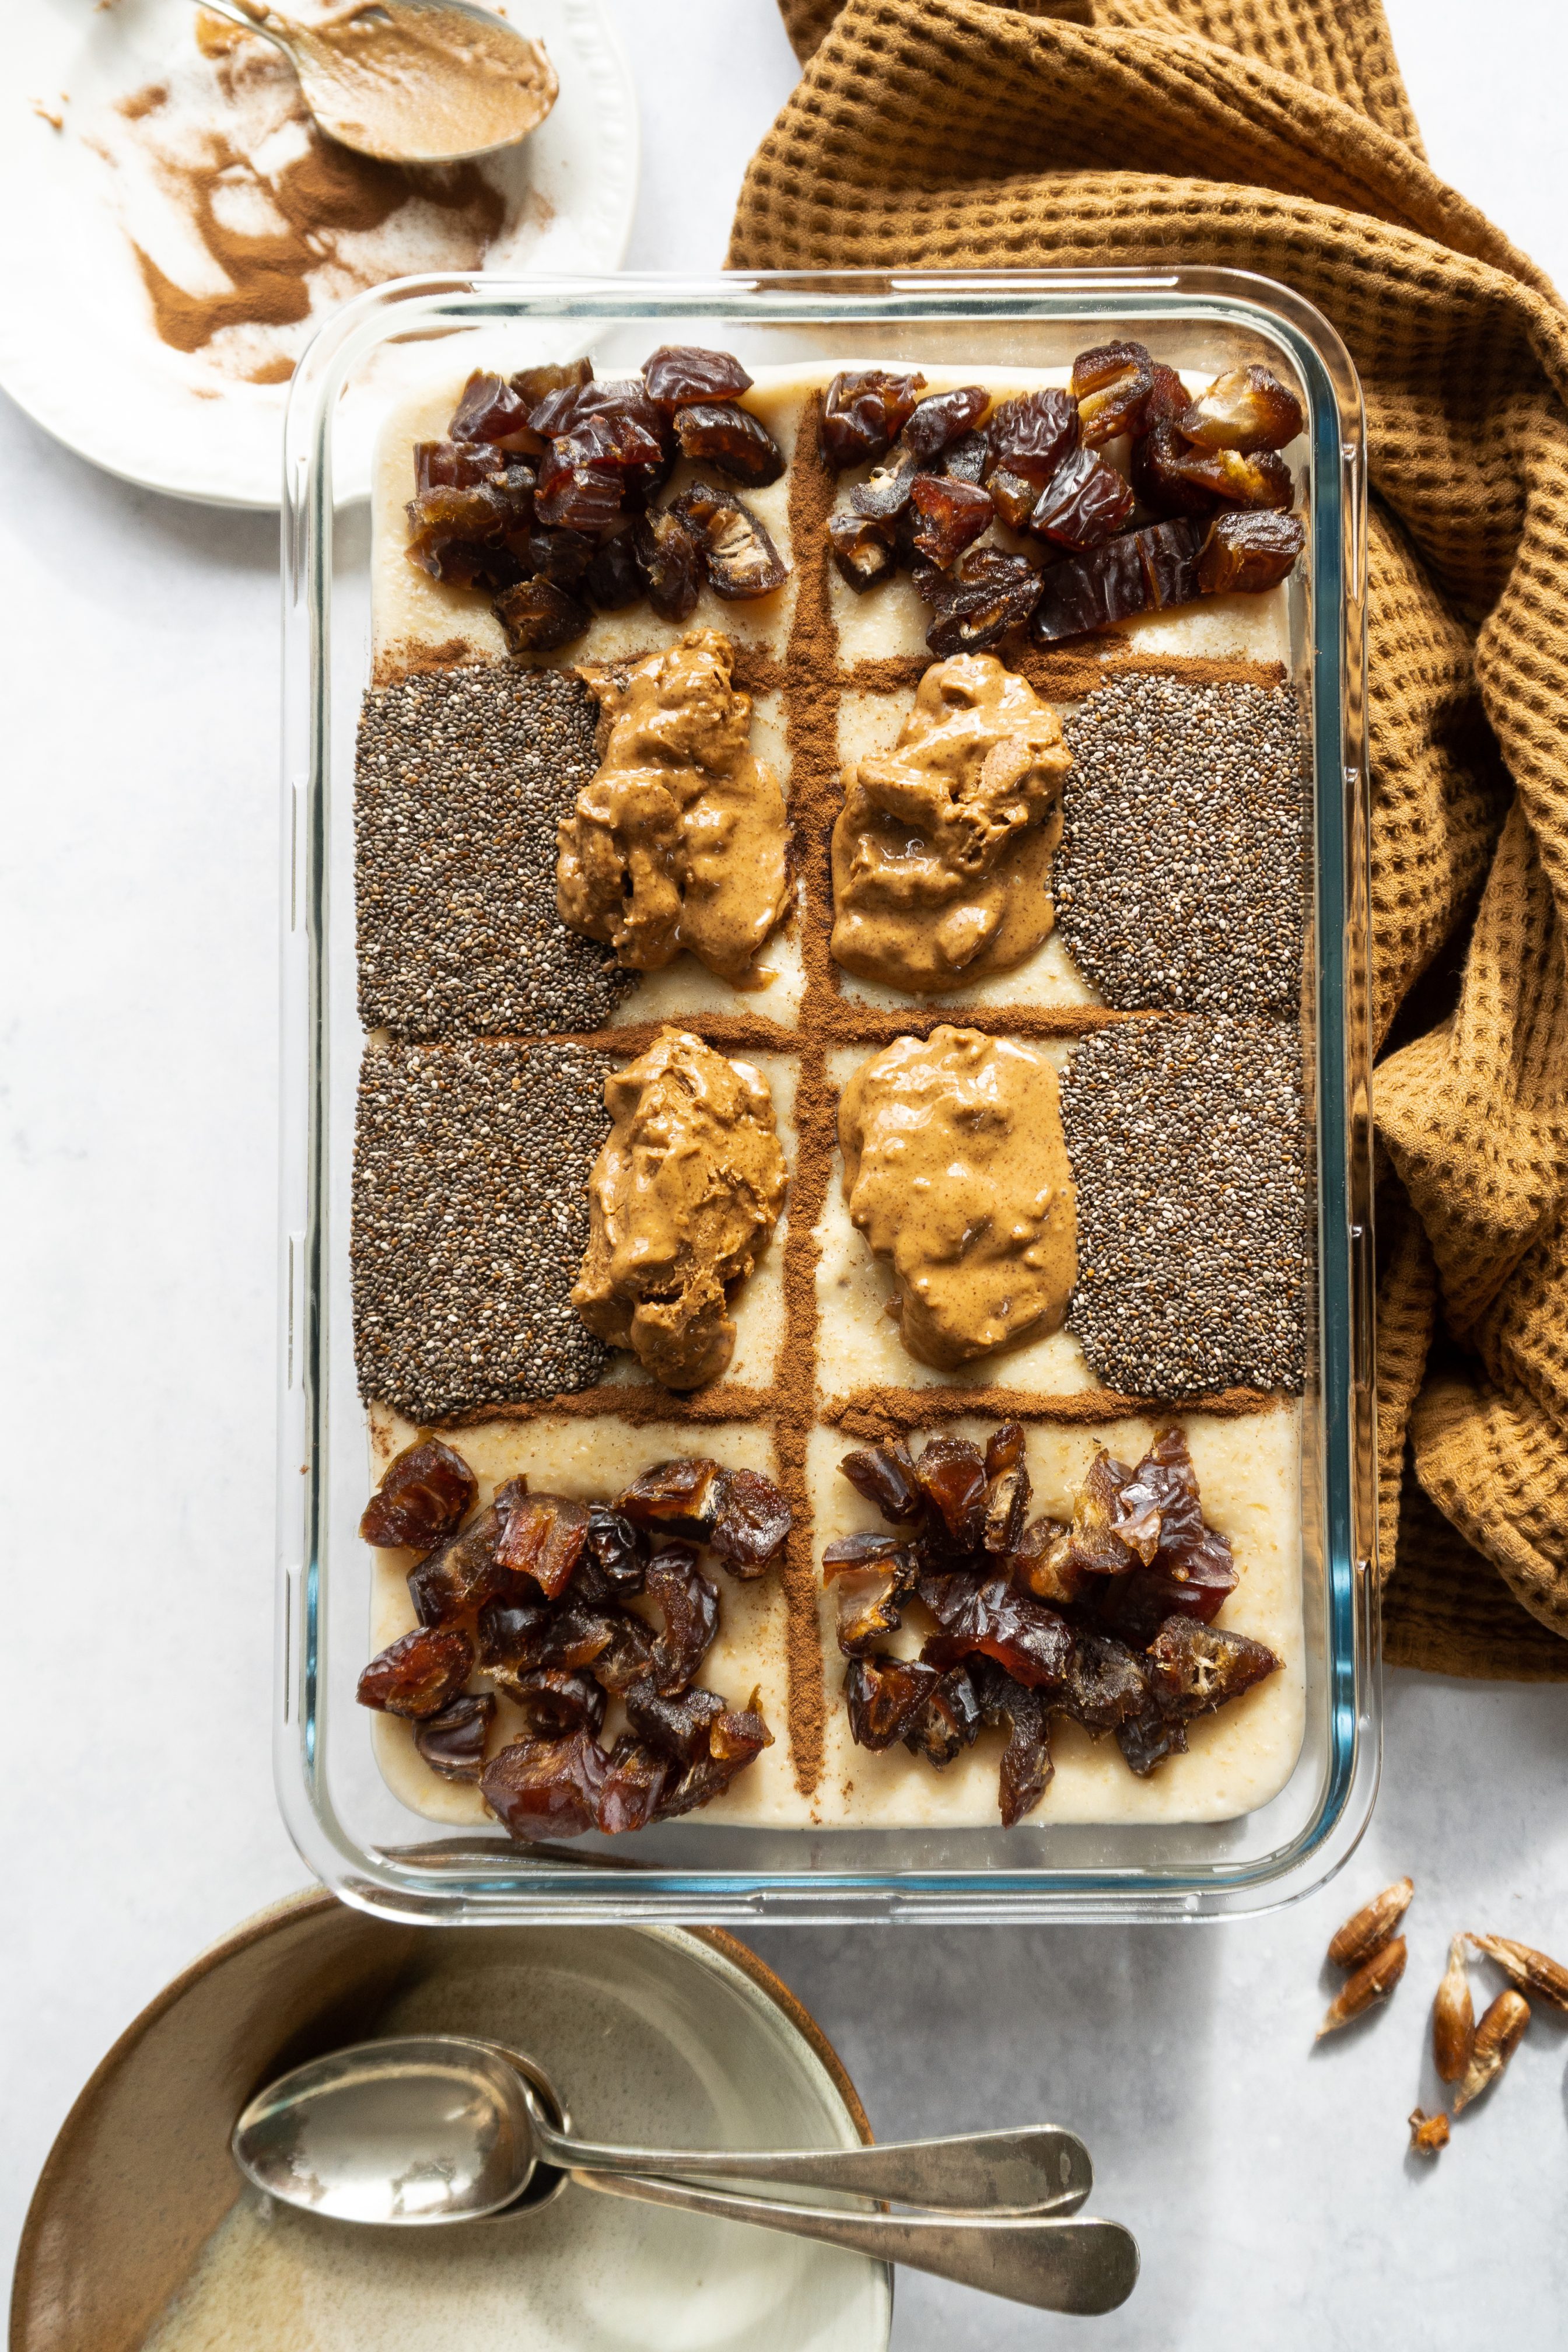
{"points": [[411, 82], [440, 2128]]}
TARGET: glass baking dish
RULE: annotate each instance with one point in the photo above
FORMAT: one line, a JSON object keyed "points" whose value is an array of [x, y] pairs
{"points": [[365, 1844]]}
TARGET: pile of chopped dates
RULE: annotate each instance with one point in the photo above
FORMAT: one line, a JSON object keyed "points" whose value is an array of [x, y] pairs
{"points": [[1204, 507], [544, 489], [1106, 1621], [534, 1593]]}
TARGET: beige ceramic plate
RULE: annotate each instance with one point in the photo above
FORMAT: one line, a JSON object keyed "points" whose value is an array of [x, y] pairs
{"points": [[138, 2236]]}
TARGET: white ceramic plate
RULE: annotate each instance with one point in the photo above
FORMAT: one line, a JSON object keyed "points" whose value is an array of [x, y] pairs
{"points": [[656, 2034], [78, 348]]}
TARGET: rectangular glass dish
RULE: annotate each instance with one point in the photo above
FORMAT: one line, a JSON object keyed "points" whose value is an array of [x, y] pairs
{"points": [[374, 1851]]}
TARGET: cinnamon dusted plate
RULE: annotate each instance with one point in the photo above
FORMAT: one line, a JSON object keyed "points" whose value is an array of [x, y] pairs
{"points": [[210, 233]]}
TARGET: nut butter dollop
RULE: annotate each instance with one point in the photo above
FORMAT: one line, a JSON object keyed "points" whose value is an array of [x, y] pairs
{"points": [[680, 840], [941, 852], [956, 1170], [683, 1199]]}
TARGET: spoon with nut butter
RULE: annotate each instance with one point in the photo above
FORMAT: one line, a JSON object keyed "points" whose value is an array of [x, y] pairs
{"points": [[440, 2128], [411, 82]]}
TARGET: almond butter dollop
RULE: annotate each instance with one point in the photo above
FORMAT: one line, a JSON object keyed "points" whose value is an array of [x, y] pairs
{"points": [[681, 839], [956, 1171], [683, 1199], [941, 853]]}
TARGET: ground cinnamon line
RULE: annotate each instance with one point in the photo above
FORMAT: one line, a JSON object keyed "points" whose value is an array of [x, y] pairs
{"points": [[880, 1414]]}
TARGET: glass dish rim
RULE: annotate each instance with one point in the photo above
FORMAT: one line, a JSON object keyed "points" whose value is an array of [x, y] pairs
{"points": [[456, 1879]]}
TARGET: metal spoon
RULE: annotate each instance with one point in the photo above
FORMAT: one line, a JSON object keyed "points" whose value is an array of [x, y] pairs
{"points": [[442, 2129], [411, 82]]}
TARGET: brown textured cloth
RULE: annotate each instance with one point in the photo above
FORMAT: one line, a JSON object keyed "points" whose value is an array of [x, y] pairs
{"points": [[1274, 135]]}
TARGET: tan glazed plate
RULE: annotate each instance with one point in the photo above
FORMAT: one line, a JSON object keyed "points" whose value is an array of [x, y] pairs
{"points": [[140, 2234]]}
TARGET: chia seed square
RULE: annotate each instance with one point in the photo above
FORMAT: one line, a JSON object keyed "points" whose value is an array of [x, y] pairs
{"points": [[459, 779], [471, 1217]]}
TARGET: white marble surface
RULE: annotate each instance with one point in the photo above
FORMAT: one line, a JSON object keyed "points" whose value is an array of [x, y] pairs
{"points": [[1268, 2186]]}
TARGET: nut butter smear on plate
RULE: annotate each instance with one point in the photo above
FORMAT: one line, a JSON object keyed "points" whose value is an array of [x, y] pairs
{"points": [[956, 1170]]}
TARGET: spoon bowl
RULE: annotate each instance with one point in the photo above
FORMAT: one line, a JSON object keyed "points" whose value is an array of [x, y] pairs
{"points": [[411, 82]]}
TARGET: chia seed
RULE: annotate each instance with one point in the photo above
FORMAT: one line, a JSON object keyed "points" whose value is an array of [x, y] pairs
{"points": [[471, 1217], [461, 777], [1189, 1153], [1181, 883]]}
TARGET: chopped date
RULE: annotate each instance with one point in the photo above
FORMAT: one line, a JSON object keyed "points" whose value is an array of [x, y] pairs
{"points": [[1006, 1505], [885, 1475], [418, 1673], [454, 465], [1260, 480], [688, 1604], [1005, 1448], [717, 433], [546, 1789], [543, 1538], [970, 457], [1168, 396], [614, 1557], [533, 384], [1193, 1668], [619, 399], [864, 1549], [1034, 434], [670, 562], [950, 516], [616, 438], [459, 1576], [884, 1694], [1041, 1562], [678, 1726], [753, 1523], [862, 549], [1096, 1546], [1105, 1685], [489, 409], [1027, 1768], [1250, 552], [1247, 409], [617, 1647], [1156, 1505], [677, 1497], [951, 1474], [884, 494], [943, 417], [990, 594], [512, 1634], [453, 1742], [1110, 386], [1146, 1739], [739, 558], [635, 1779], [1169, 555], [577, 495], [991, 1616], [559, 556], [1091, 592], [640, 485], [678, 375], [1084, 502], [864, 414], [537, 616], [445, 521], [868, 1611], [1161, 476], [1136, 1605], [614, 578], [948, 1722], [735, 1739], [1014, 496], [556, 1700], [423, 1494]]}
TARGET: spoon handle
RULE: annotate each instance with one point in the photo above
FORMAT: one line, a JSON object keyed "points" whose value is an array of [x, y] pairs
{"points": [[1051, 2263], [1038, 2169], [238, 14]]}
